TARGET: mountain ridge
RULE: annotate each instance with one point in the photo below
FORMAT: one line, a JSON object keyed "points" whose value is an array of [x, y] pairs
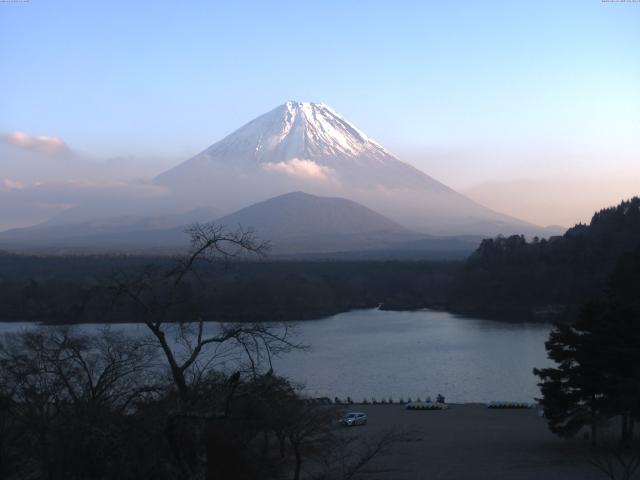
{"points": [[295, 224]]}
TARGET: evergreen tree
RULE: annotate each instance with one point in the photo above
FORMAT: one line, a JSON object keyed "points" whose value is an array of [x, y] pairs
{"points": [[597, 375], [573, 394]]}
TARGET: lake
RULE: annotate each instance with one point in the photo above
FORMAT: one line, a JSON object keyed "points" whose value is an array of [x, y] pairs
{"points": [[374, 353]]}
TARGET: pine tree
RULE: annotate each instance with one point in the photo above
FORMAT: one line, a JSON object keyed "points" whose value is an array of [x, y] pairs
{"points": [[597, 375], [573, 394]]}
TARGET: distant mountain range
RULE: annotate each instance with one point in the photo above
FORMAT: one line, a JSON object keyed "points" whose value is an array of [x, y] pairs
{"points": [[114, 234], [294, 224]]}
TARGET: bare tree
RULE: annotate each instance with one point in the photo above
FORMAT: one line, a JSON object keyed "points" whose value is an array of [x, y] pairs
{"points": [[6, 449], [350, 456], [34, 391], [109, 369], [162, 299], [64, 389], [308, 427]]}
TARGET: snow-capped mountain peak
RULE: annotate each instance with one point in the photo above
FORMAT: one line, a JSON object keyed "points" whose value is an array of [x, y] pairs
{"points": [[298, 130]]}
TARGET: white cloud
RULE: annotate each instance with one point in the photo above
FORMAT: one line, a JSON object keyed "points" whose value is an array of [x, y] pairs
{"points": [[41, 177], [8, 184], [298, 167], [38, 143]]}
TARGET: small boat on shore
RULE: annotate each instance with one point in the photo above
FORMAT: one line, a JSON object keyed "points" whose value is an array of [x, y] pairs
{"points": [[426, 406], [503, 405]]}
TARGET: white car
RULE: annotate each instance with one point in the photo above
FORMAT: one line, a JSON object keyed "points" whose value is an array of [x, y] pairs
{"points": [[352, 419]]}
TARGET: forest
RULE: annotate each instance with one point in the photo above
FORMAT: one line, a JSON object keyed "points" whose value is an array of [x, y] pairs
{"points": [[77, 289]]}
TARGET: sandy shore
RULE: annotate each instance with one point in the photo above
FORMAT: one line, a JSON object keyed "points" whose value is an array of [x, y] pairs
{"points": [[473, 442]]}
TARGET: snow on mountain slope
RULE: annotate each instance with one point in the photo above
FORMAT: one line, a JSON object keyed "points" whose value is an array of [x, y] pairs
{"points": [[307, 146], [297, 129], [300, 139]]}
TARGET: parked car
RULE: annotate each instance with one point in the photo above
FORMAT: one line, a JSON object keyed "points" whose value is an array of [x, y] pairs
{"points": [[352, 419]]}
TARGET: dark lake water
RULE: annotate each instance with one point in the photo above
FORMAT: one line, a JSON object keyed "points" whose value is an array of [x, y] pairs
{"points": [[373, 353]]}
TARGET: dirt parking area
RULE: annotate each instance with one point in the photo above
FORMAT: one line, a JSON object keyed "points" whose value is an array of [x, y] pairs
{"points": [[474, 442]]}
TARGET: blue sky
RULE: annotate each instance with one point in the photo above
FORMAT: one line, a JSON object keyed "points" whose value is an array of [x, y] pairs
{"points": [[494, 85]]}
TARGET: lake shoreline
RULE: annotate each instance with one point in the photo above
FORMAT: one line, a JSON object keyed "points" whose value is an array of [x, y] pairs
{"points": [[506, 316]]}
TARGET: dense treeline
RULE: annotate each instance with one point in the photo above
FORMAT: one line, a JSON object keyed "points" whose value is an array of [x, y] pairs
{"points": [[76, 289], [515, 277]]}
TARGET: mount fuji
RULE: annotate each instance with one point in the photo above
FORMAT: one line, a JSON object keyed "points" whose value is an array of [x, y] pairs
{"points": [[302, 146]]}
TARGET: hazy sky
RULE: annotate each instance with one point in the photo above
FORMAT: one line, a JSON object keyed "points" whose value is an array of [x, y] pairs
{"points": [[513, 103]]}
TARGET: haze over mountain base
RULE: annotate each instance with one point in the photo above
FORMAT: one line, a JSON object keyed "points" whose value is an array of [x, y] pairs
{"points": [[351, 195]]}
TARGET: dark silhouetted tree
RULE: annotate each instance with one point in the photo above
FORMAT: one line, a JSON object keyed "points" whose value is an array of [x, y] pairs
{"points": [[597, 375]]}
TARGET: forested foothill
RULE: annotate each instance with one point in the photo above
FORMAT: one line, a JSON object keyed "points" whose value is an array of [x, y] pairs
{"points": [[509, 278]]}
